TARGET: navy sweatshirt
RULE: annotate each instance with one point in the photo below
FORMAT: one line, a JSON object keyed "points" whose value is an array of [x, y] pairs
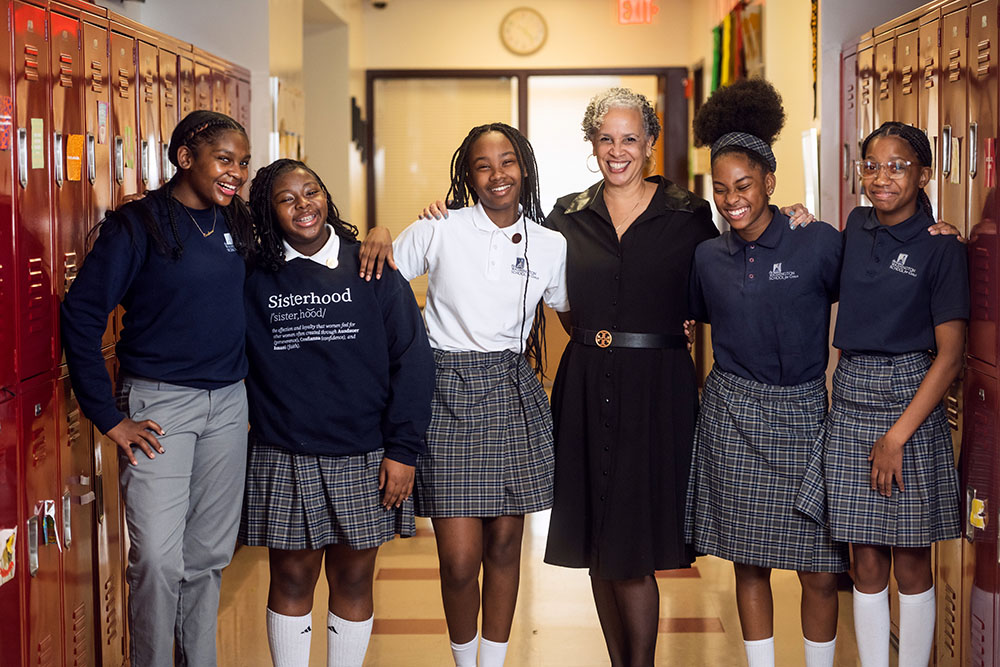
{"points": [[184, 321], [338, 365]]}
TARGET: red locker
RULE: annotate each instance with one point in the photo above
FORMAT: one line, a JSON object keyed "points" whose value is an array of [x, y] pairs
{"points": [[187, 84], [68, 148], [43, 537], [36, 334], [849, 183], [110, 531], [123, 115], [906, 82], [867, 93], [982, 130], [12, 574], [99, 137], [979, 475], [202, 85], [8, 263], [929, 97], [149, 115], [885, 73], [954, 105]]}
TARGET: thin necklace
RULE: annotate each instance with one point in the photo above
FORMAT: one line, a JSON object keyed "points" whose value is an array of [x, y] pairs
{"points": [[628, 218], [215, 219]]}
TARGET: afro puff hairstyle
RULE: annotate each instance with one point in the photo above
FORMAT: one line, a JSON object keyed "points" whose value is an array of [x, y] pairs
{"points": [[752, 106]]}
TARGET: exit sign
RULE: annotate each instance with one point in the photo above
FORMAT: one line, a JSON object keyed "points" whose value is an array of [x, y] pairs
{"points": [[636, 11]]}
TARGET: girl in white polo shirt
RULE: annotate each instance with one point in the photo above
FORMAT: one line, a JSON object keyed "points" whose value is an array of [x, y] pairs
{"points": [[489, 457]]}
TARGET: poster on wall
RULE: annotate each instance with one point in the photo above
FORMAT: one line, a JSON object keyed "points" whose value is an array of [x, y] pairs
{"points": [[738, 45]]}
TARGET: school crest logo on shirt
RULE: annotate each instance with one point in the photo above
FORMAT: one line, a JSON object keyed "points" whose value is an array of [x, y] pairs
{"points": [[777, 274], [519, 268], [230, 246], [899, 264]]}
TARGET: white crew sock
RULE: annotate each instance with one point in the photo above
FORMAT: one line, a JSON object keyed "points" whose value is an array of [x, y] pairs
{"points": [[491, 654], [289, 638], [760, 652], [820, 654], [871, 627], [465, 654], [916, 628], [346, 641]]}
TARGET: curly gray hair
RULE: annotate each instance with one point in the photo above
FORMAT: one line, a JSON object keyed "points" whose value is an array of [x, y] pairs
{"points": [[619, 98]]}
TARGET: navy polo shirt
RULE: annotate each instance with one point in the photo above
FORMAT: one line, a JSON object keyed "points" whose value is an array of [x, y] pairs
{"points": [[898, 283], [768, 300]]}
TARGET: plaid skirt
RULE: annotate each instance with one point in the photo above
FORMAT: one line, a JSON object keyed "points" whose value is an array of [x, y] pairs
{"points": [[489, 443], [752, 444], [869, 395], [302, 501]]}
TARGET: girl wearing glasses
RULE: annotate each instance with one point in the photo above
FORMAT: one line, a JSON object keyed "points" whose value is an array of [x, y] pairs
{"points": [[904, 302]]}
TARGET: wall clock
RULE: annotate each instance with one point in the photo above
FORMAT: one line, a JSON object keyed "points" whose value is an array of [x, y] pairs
{"points": [[523, 31]]}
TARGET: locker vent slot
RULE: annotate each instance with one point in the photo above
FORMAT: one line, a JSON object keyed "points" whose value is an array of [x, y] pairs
{"points": [[70, 269], [148, 87], [39, 446], [979, 277], [65, 70], [168, 94], [110, 611], [96, 76], [954, 65], [123, 83], [45, 652], [883, 85], [907, 80], [929, 73], [850, 96], [30, 62], [983, 58], [866, 91], [80, 632]]}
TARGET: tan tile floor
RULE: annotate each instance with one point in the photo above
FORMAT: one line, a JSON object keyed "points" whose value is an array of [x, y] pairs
{"points": [[555, 624]]}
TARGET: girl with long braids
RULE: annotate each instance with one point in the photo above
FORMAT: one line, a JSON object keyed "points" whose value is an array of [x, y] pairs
{"points": [[904, 303], [489, 457], [766, 290], [175, 261], [339, 389]]}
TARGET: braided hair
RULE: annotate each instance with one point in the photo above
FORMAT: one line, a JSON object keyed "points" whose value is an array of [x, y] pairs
{"points": [[462, 194], [918, 142], [269, 251], [748, 106], [196, 129]]}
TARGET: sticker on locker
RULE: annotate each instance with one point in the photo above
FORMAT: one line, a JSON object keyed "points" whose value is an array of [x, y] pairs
{"points": [[102, 122], [8, 551], [956, 159], [6, 122], [74, 157], [37, 143]]}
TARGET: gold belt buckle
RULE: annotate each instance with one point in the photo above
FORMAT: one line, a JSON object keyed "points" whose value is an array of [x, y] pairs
{"points": [[603, 338]]}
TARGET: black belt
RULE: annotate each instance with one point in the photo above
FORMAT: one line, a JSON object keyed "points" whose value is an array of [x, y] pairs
{"points": [[605, 338]]}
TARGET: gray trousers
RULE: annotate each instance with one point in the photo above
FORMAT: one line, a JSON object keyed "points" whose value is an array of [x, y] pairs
{"points": [[183, 513]]}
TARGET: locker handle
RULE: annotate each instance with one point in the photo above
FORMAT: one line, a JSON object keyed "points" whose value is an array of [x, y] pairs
{"points": [[946, 151], [119, 160], [33, 546], [145, 161], [168, 168], [847, 162], [99, 497], [973, 149], [67, 505], [57, 146], [22, 156], [91, 158]]}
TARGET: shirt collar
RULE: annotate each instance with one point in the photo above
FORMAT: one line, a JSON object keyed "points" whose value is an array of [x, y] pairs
{"points": [[902, 231], [483, 223], [769, 239], [327, 255]]}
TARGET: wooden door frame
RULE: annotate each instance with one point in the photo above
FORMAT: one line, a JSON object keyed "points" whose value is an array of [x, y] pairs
{"points": [[671, 103]]}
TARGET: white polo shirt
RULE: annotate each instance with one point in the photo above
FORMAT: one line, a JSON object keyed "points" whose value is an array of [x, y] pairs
{"points": [[476, 277]]}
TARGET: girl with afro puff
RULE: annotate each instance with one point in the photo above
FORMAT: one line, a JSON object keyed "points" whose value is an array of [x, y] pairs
{"points": [[766, 289]]}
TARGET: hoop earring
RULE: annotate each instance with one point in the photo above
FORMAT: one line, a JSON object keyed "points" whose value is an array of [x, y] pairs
{"points": [[595, 170]]}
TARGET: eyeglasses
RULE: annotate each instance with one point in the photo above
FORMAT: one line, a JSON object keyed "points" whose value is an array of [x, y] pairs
{"points": [[870, 168]]}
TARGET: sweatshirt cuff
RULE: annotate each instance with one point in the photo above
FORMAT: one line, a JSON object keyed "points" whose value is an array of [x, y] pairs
{"points": [[400, 454], [107, 420]]}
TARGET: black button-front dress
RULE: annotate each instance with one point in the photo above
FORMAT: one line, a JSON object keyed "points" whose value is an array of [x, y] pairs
{"points": [[624, 418]]}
